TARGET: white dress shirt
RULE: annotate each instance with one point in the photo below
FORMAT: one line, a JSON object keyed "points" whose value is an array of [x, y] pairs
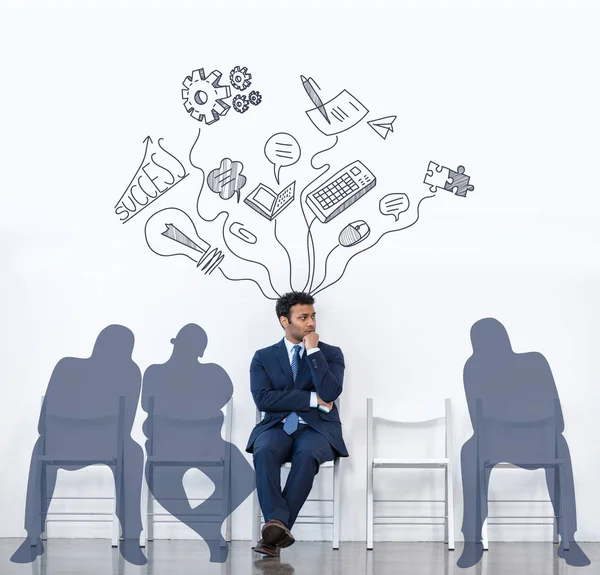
{"points": [[290, 349]]}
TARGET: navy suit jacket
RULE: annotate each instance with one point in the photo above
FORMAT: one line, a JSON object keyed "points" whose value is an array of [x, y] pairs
{"points": [[275, 392]]}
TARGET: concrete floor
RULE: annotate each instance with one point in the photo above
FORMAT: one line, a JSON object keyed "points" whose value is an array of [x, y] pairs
{"points": [[175, 557]]}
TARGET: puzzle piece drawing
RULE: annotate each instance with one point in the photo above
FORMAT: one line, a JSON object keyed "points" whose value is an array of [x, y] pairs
{"points": [[437, 176], [459, 182]]}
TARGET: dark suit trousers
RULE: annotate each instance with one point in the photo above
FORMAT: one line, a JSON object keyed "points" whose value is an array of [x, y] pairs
{"points": [[306, 449]]}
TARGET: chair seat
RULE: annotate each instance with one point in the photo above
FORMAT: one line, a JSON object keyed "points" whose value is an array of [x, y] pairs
{"points": [[416, 463], [540, 462], [174, 461], [75, 461], [326, 464]]}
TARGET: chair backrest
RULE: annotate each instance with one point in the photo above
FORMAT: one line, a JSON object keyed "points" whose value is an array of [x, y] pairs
{"points": [[70, 432], [505, 426], [172, 434], [410, 415]]}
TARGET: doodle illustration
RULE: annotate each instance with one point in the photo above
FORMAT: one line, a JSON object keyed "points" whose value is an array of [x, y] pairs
{"points": [[227, 179], [268, 203], [263, 244], [437, 176], [255, 97], [240, 103], [383, 126], [336, 115], [453, 181], [394, 205], [171, 232], [237, 229], [240, 78], [282, 150], [312, 88], [354, 233], [341, 191], [157, 174], [458, 182], [203, 97]]}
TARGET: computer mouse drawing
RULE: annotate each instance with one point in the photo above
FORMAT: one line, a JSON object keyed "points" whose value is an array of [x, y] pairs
{"points": [[354, 233]]}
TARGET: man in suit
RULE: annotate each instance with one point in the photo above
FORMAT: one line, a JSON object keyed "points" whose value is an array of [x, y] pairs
{"points": [[295, 382]]}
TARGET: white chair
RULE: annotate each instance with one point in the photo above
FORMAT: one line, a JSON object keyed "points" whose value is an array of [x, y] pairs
{"points": [[46, 458], [150, 517], [386, 413], [550, 461], [333, 520]]}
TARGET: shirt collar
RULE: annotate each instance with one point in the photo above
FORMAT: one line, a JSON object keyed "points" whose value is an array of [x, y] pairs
{"points": [[290, 346]]}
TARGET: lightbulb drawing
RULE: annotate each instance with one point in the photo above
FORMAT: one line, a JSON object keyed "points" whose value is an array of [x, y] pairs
{"points": [[171, 232]]}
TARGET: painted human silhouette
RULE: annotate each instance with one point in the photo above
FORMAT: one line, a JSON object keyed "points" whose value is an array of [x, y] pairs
{"points": [[183, 399], [83, 422], [517, 420]]}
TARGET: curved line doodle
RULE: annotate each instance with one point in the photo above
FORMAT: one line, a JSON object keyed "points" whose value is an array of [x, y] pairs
{"points": [[364, 250], [308, 226], [233, 251], [253, 262], [326, 260], [192, 149], [287, 253], [247, 279]]}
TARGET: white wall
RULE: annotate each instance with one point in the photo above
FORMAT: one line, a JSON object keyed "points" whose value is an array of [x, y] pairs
{"points": [[508, 90]]}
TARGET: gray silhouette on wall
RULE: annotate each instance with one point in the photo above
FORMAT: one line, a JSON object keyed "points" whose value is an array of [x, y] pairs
{"points": [[516, 417], [86, 419], [183, 399]]}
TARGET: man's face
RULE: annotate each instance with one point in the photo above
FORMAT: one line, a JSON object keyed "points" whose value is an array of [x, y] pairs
{"points": [[302, 321]]}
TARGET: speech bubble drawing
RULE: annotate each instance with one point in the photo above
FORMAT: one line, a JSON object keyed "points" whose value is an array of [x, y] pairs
{"points": [[282, 150], [227, 179], [393, 205]]}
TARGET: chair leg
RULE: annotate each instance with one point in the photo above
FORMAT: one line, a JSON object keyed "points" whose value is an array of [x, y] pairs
{"points": [[564, 527], [370, 506], [484, 535], [115, 523], [450, 508], [42, 505], [336, 503], [482, 493], [225, 500], [149, 510], [255, 518], [228, 504], [446, 505], [144, 533]]}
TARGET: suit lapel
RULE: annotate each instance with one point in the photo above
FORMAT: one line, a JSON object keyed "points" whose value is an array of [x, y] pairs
{"points": [[282, 357]]}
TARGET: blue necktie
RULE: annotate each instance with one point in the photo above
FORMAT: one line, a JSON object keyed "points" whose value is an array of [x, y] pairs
{"points": [[291, 421]]}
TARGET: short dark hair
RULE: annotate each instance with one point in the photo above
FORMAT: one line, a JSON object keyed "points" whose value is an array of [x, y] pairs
{"points": [[287, 300]]}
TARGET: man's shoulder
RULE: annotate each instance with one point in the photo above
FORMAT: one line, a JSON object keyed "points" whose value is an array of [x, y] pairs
{"points": [[268, 349]]}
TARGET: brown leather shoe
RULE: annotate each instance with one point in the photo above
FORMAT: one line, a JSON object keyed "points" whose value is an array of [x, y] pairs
{"points": [[266, 549], [274, 532]]}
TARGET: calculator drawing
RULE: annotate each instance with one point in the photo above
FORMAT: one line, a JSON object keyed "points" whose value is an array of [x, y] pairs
{"points": [[340, 191]]}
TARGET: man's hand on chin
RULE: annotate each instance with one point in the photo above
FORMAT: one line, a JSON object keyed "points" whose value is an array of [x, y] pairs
{"points": [[311, 340]]}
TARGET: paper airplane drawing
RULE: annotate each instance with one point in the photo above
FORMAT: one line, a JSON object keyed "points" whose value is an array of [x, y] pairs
{"points": [[383, 126]]}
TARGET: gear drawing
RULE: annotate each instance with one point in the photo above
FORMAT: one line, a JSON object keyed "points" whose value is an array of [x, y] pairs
{"points": [[240, 78], [240, 103], [203, 96], [255, 97]]}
